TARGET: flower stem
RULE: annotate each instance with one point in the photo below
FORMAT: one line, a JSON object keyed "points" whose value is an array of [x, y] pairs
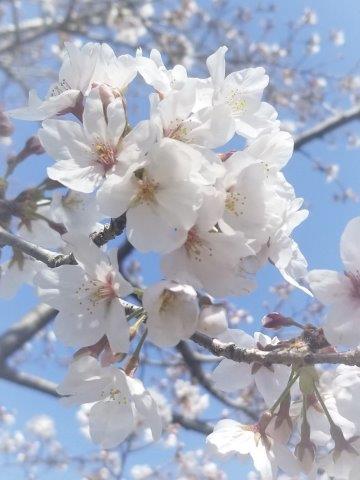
{"points": [[292, 379]]}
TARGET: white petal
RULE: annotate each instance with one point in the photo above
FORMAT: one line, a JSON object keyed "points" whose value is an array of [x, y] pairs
{"points": [[349, 246], [147, 230], [117, 328], [230, 376], [110, 423], [216, 66], [329, 286]]}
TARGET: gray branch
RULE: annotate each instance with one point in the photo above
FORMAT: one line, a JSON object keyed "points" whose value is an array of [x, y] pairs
{"points": [[196, 370], [42, 385], [327, 126], [286, 356], [30, 381], [50, 259], [20, 333], [53, 259]]}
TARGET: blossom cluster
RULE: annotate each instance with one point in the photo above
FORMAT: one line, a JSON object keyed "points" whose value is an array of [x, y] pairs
{"points": [[215, 216]]}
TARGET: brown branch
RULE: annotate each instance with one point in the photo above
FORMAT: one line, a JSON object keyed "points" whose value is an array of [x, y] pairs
{"points": [[197, 372], [327, 126], [288, 356]]}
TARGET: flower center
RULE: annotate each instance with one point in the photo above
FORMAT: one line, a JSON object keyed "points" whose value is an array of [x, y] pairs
{"points": [[105, 155], [167, 299], [195, 245], [236, 102], [235, 203], [146, 191], [177, 130], [115, 395], [96, 291]]}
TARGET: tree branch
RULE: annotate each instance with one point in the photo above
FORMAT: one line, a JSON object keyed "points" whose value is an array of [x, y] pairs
{"points": [[53, 259], [197, 372], [327, 126], [42, 385], [110, 231], [287, 356], [30, 381], [20, 333], [50, 259], [192, 424]]}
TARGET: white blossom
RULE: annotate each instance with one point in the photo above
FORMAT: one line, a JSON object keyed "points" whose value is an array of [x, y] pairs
{"points": [[120, 402], [341, 291], [172, 312], [88, 297]]}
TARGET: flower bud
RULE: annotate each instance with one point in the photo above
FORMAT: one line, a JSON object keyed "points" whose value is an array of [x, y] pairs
{"points": [[6, 128], [305, 452], [276, 320], [33, 146]]}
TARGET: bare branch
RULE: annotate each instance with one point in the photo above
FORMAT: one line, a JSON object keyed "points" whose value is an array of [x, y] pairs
{"points": [[327, 126], [192, 424], [197, 371], [53, 259], [110, 231], [20, 333], [50, 259], [286, 356], [46, 386], [30, 381]]}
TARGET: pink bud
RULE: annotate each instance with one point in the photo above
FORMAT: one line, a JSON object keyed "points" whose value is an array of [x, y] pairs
{"points": [[277, 320], [6, 128], [33, 146]]}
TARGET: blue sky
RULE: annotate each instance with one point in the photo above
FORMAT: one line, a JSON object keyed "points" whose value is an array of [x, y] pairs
{"points": [[318, 236]]}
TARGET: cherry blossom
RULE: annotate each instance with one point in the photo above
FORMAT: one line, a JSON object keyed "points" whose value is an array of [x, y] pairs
{"points": [[114, 396], [230, 376], [341, 291], [242, 92], [82, 67], [232, 438], [160, 199], [86, 154], [88, 297], [172, 312], [155, 73]]}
